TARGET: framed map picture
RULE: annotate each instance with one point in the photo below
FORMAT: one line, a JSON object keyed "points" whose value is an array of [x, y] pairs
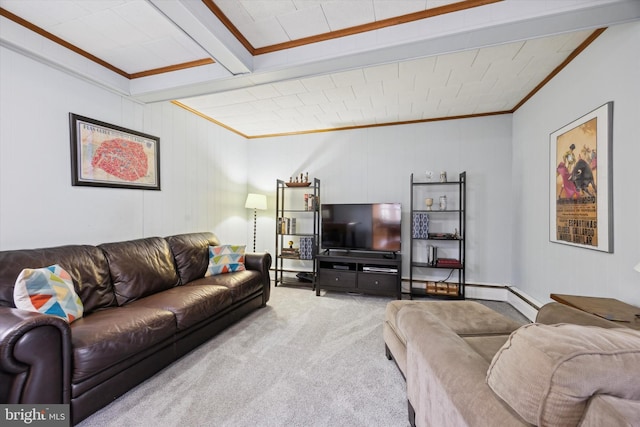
{"points": [[104, 155], [581, 183]]}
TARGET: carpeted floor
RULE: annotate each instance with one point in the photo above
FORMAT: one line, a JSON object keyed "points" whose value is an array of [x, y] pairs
{"points": [[301, 361]]}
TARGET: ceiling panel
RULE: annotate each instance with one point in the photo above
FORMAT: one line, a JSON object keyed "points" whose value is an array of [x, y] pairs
{"points": [[131, 35], [450, 58], [346, 14], [472, 82]]}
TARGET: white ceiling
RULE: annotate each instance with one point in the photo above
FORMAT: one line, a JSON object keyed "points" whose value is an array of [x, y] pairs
{"points": [[258, 78]]}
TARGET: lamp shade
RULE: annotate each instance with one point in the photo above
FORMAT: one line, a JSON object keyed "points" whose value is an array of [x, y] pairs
{"points": [[256, 201]]}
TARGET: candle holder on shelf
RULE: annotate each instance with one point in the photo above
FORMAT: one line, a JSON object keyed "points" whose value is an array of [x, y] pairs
{"points": [[429, 203]]}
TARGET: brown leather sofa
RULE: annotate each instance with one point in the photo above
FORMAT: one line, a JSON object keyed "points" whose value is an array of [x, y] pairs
{"points": [[146, 303]]}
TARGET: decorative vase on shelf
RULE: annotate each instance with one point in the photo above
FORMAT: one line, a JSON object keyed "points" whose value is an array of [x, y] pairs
{"points": [[429, 203], [443, 203]]}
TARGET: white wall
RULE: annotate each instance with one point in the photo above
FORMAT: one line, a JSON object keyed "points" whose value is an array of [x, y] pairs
{"points": [[206, 172], [203, 167], [374, 165], [608, 70]]}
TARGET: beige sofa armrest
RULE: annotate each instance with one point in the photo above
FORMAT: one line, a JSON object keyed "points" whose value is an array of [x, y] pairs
{"points": [[611, 411], [555, 312], [446, 378]]}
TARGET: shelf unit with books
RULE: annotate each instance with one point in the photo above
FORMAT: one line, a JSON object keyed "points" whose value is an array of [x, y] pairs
{"points": [[297, 232], [437, 241]]}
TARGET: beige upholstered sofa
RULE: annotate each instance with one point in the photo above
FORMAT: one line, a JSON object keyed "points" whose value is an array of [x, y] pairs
{"points": [[467, 365]]}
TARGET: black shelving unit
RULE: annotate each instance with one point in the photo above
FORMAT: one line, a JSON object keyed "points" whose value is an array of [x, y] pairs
{"points": [[292, 205], [441, 236]]}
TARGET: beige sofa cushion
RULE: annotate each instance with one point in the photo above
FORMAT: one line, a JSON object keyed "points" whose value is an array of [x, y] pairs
{"points": [[465, 318], [547, 373], [486, 346], [611, 411]]}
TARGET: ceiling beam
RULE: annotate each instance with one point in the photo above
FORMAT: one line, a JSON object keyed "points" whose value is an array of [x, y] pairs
{"points": [[442, 34], [204, 28]]}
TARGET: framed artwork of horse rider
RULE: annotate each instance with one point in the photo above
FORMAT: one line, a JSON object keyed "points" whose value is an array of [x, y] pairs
{"points": [[581, 183]]}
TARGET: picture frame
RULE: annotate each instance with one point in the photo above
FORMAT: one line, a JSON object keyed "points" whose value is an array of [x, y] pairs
{"points": [[581, 181], [106, 155]]}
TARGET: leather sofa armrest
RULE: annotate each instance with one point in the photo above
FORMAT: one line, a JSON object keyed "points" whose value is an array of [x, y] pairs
{"points": [[35, 358], [260, 262]]}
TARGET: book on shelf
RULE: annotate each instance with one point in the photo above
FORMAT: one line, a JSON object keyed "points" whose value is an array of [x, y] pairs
{"points": [[286, 225], [311, 202], [443, 236], [307, 248], [290, 253], [420, 225], [448, 262]]}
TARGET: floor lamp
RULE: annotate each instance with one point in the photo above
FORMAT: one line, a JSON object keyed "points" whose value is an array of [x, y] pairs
{"points": [[255, 202]]}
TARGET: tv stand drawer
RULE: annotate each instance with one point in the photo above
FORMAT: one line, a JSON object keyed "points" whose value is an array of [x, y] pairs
{"points": [[377, 282], [337, 278]]}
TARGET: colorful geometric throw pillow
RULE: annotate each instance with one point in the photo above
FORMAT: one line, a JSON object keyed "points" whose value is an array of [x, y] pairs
{"points": [[48, 290], [225, 259]]}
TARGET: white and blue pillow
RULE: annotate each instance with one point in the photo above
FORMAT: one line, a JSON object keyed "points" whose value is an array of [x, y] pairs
{"points": [[48, 290], [225, 259]]}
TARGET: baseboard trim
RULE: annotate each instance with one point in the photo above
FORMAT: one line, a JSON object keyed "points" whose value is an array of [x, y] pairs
{"points": [[525, 304]]}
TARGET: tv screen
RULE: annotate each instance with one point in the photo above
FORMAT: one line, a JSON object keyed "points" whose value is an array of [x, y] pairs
{"points": [[364, 226]]}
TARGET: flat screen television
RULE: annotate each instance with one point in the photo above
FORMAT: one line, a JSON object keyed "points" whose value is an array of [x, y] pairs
{"points": [[362, 226]]}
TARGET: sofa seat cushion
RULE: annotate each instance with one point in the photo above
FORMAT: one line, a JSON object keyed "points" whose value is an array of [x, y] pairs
{"points": [[563, 365], [465, 318], [486, 346], [190, 304], [107, 337], [241, 283]]}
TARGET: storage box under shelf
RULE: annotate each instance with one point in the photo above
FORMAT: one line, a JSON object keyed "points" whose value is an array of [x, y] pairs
{"points": [[441, 288]]}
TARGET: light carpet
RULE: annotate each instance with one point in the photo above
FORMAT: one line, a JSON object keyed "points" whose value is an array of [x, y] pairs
{"points": [[301, 361]]}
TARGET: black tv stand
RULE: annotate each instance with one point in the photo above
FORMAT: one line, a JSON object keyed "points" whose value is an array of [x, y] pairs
{"points": [[366, 273]]}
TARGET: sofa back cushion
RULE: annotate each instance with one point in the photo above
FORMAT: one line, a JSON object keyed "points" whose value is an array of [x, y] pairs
{"points": [[191, 253], [548, 373], [86, 265], [140, 267]]}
